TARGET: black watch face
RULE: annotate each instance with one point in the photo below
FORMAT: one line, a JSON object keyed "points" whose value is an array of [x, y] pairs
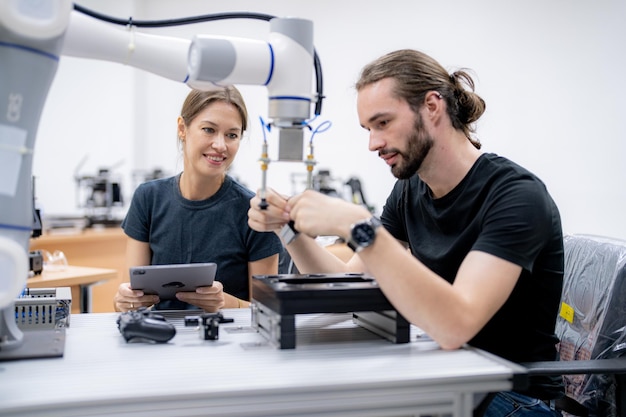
{"points": [[363, 234]]}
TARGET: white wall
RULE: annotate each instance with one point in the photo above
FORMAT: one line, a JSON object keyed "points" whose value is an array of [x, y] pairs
{"points": [[550, 72]]}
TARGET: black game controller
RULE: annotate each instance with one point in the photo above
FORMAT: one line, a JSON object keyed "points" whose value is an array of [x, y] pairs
{"points": [[144, 325]]}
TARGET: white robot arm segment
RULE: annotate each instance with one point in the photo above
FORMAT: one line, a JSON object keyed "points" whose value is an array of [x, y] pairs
{"points": [[36, 20], [34, 34], [241, 61], [90, 38], [283, 64]]}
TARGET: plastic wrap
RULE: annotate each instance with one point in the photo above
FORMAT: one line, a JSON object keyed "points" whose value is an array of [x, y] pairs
{"points": [[592, 322]]}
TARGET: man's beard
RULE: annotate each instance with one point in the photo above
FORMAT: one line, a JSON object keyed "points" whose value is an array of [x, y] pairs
{"points": [[418, 145]]}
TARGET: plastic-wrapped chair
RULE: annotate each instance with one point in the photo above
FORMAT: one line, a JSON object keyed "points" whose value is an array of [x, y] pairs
{"points": [[592, 327]]}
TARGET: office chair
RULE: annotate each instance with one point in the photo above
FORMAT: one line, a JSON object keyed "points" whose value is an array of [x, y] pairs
{"points": [[591, 328]]}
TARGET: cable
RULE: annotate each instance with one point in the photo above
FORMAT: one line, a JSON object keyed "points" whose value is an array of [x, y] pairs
{"points": [[173, 22], [319, 84]]}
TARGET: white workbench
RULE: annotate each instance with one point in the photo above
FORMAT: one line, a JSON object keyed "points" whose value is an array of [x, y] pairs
{"points": [[337, 369]]}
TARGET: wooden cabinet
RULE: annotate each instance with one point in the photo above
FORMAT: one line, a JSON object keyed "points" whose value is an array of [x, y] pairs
{"points": [[80, 279], [106, 248], [97, 248]]}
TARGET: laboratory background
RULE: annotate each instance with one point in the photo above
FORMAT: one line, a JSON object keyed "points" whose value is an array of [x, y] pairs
{"points": [[551, 74], [549, 71]]}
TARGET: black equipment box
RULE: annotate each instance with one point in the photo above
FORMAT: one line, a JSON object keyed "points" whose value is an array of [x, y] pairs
{"points": [[276, 299]]}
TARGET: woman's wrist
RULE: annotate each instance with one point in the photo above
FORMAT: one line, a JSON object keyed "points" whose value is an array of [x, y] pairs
{"points": [[238, 303]]}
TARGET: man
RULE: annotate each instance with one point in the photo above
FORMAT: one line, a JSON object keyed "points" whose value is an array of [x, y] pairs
{"points": [[484, 263]]}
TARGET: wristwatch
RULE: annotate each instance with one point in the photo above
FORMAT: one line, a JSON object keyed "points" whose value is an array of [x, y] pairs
{"points": [[363, 233], [288, 233]]}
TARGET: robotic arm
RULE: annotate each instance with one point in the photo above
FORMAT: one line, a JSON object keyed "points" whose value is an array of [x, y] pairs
{"points": [[33, 36], [283, 63]]}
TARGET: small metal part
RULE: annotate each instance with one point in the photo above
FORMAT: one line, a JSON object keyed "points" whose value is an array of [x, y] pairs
{"points": [[265, 161], [209, 324]]}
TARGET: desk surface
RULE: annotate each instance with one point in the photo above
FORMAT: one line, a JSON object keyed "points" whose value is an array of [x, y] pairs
{"points": [[337, 368], [71, 276], [98, 248], [79, 278]]}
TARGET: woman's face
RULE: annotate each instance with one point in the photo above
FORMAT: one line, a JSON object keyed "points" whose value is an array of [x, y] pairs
{"points": [[211, 140]]}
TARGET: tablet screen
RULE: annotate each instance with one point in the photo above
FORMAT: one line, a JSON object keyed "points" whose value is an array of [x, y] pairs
{"points": [[167, 280]]}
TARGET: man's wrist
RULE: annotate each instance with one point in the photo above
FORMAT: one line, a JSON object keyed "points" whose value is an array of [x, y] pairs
{"points": [[363, 233], [288, 233]]}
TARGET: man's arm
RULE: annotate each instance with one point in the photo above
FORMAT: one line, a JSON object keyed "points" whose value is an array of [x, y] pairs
{"points": [[449, 313], [312, 258], [303, 249]]}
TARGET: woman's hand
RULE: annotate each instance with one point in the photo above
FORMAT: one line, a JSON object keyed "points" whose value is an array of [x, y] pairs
{"points": [[127, 299], [210, 299]]}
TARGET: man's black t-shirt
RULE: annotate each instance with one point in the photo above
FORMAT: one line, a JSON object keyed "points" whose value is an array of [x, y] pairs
{"points": [[502, 209]]}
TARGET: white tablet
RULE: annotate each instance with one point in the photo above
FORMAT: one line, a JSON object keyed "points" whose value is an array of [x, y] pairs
{"points": [[167, 280]]}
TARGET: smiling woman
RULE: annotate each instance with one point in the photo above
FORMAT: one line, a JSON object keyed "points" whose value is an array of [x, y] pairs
{"points": [[200, 215], [209, 130]]}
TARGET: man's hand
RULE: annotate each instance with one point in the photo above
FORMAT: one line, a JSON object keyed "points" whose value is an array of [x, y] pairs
{"points": [[271, 219], [317, 214]]}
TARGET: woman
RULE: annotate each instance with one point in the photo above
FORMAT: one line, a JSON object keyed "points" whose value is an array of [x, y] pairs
{"points": [[200, 215]]}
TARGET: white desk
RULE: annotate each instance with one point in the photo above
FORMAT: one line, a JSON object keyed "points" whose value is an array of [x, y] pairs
{"points": [[337, 369]]}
